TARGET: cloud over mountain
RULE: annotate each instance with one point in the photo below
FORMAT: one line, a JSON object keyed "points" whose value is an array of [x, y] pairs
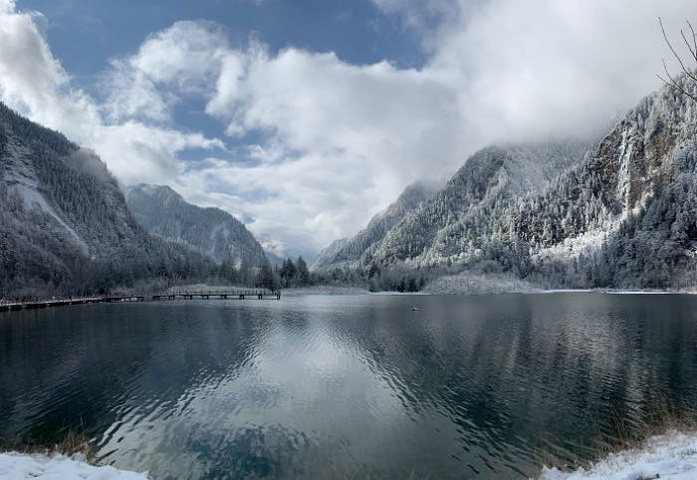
{"points": [[314, 145]]}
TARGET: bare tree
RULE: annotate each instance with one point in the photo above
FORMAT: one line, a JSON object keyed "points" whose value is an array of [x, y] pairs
{"points": [[690, 40]]}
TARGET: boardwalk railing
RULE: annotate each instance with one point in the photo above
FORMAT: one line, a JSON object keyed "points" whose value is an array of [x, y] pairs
{"points": [[241, 294], [237, 294]]}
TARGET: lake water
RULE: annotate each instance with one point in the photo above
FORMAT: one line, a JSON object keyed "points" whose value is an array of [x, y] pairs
{"points": [[350, 386]]}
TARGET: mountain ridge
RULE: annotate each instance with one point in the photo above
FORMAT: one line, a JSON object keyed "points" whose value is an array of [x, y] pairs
{"points": [[65, 224], [565, 214], [161, 211]]}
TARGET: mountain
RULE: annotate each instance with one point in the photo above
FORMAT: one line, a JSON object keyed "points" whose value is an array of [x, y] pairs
{"points": [[329, 256], [477, 196], [211, 231], [627, 216], [274, 259], [347, 252], [620, 212], [424, 225], [64, 223]]}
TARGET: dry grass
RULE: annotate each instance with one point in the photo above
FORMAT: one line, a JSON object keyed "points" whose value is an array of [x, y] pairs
{"points": [[71, 442], [621, 435]]}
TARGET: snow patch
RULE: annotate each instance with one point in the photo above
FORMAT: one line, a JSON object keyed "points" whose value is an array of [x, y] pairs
{"points": [[572, 247], [625, 152], [15, 466], [473, 283], [672, 456], [20, 173], [33, 199]]}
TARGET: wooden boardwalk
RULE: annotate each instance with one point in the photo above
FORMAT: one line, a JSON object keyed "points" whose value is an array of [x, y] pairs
{"points": [[234, 294], [241, 294]]}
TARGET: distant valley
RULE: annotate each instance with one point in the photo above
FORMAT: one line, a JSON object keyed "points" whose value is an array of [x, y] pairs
{"points": [[616, 212]]}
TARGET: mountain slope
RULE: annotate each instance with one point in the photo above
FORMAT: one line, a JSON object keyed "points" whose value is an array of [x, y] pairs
{"points": [[347, 252], [630, 210], [213, 232], [622, 215], [328, 256], [64, 222], [439, 230]]}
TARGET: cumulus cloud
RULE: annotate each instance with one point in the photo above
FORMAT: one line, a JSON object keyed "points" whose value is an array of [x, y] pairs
{"points": [[499, 70], [548, 67], [33, 81], [334, 142], [170, 65]]}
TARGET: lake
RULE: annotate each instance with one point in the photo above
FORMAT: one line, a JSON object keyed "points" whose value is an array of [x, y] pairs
{"points": [[350, 386]]}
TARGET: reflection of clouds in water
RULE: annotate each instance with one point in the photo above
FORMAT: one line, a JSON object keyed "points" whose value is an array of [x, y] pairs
{"points": [[339, 386]]}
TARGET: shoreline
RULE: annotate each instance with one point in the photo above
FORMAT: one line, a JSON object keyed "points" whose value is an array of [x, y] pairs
{"points": [[20, 466], [671, 456], [6, 306]]}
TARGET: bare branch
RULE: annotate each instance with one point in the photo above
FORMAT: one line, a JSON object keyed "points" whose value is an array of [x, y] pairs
{"points": [[689, 45], [677, 87], [674, 83], [675, 54], [692, 47], [694, 38]]}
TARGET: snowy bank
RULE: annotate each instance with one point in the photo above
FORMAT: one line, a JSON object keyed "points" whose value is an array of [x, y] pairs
{"points": [[323, 290], [471, 283], [15, 466], [672, 456]]}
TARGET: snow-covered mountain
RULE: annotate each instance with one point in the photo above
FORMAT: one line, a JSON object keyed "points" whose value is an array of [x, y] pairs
{"points": [[423, 227], [64, 223], [618, 212], [347, 252], [626, 216], [328, 256], [440, 230], [213, 232]]}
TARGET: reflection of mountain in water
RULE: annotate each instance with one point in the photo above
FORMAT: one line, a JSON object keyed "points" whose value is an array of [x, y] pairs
{"points": [[342, 386]]}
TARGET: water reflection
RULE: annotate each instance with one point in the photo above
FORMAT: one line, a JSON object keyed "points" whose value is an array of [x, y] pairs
{"points": [[348, 387]]}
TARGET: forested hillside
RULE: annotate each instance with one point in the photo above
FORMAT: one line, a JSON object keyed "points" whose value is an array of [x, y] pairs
{"points": [[626, 217], [66, 228], [347, 252], [210, 231], [619, 213]]}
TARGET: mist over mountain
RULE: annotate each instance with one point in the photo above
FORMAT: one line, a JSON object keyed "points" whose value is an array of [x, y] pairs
{"points": [[619, 212], [616, 212], [421, 226], [211, 231], [347, 252]]}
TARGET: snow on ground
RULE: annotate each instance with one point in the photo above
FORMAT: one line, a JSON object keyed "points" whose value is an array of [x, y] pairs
{"points": [[471, 283], [672, 457], [15, 466], [294, 291], [572, 247], [324, 290]]}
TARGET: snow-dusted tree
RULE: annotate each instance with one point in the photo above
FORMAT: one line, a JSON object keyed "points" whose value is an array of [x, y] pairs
{"points": [[303, 273]]}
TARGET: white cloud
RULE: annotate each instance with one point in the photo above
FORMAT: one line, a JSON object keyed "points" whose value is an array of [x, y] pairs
{"points": [[182, 60], [340, 141], [34, 82], [546, 66], [7, 6], [500, 70]]}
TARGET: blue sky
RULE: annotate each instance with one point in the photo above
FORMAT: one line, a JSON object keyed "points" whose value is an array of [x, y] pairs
{"points": [[85, 34], [305, 118]]}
